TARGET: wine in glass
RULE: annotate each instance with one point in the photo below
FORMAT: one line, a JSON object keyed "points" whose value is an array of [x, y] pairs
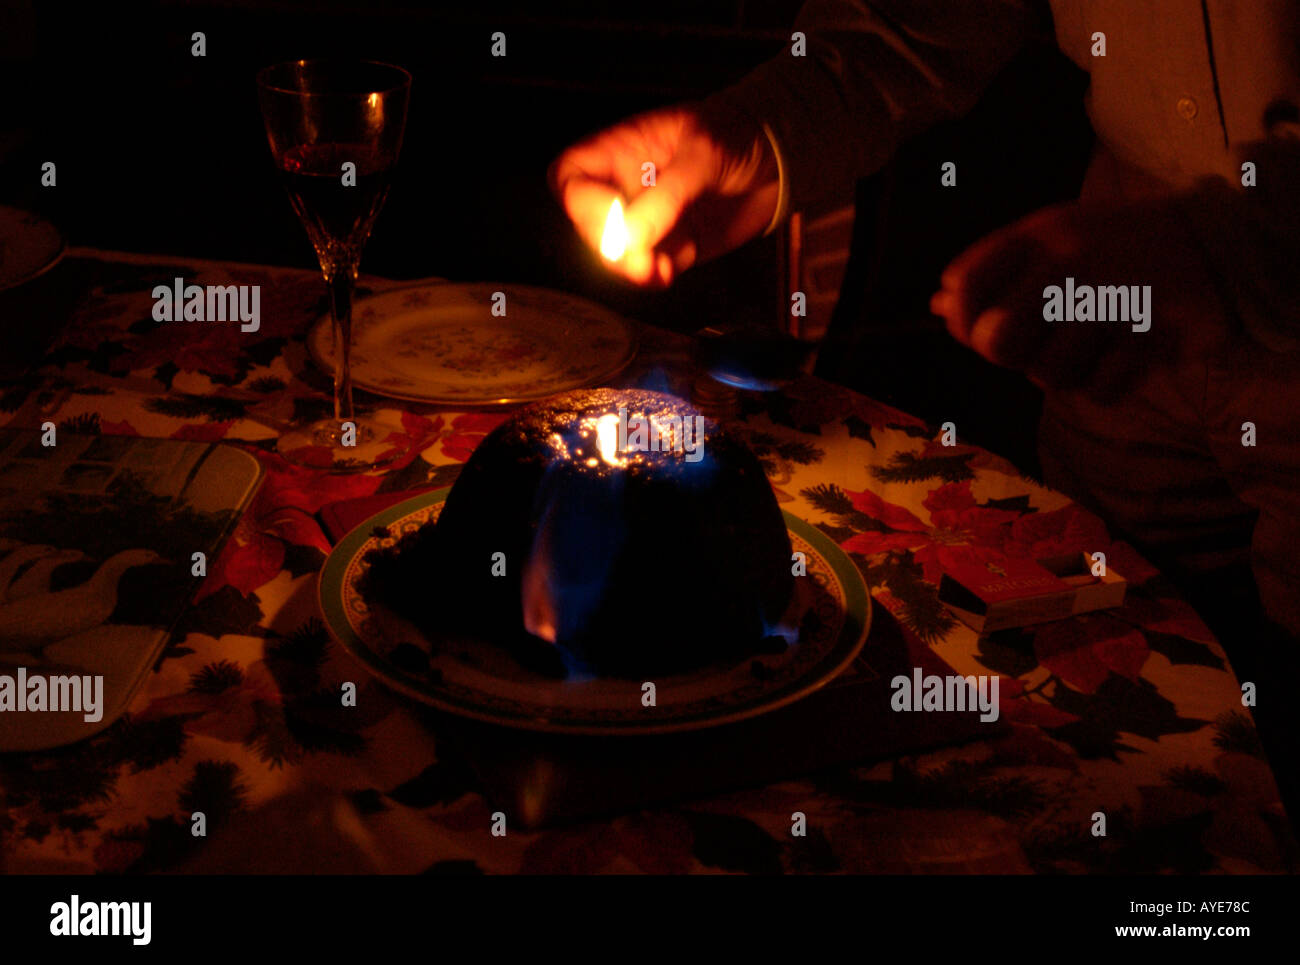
{"points": [[335, 129]]}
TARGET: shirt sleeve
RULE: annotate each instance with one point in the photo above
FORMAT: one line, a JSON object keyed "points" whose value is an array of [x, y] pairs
{"points": [[1251, 235], [873, 73]]}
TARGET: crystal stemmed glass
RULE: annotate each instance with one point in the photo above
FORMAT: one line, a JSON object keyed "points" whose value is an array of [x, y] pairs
{"points": [[335, 129]]}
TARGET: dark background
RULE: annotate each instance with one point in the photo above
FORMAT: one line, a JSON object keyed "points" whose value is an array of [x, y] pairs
{"points": [[163, 152]]}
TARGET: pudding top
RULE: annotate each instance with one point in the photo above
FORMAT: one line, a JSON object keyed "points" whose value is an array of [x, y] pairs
{"points": [[617, 431]]}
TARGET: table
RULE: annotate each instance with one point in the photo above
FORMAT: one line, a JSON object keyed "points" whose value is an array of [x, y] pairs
{"points": [[1133, 713]]}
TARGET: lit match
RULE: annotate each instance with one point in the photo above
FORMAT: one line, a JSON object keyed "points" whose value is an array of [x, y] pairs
{"points": [[614, 241]]}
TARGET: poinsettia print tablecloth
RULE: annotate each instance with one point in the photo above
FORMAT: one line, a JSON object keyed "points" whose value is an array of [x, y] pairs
{"points": [[1132, 712]]}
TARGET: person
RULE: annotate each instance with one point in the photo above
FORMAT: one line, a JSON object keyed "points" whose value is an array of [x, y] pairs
{"points": [[1181, 434]]}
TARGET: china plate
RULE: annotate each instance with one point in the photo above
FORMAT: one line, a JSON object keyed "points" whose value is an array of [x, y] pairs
{"points": [[477, 680], [29, 245], [441, 343]]}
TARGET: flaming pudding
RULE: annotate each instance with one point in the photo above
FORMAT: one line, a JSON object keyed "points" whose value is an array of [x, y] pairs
{"points": [[612, 532]]}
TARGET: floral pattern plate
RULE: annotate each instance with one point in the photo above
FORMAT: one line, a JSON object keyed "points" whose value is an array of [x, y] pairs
{"points": [[478, 680], [29, 245], [441, 343]]}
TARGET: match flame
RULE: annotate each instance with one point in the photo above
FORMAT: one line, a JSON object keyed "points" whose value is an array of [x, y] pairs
{"points": [[614, 241]]}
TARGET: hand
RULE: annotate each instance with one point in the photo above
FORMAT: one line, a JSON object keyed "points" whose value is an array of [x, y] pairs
{"points": [[992, 296], [715, 187]]}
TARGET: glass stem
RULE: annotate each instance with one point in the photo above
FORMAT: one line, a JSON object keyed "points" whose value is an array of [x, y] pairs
{"points": [[342, 281]]}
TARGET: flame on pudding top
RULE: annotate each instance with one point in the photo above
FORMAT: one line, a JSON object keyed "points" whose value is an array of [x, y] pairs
{"points": [[627, 438], [595, 441], [609, 431], [607, 440]]}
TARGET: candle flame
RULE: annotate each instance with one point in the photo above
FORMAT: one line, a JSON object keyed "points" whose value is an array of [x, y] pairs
{"points": [[607, 438], [614, 241]]}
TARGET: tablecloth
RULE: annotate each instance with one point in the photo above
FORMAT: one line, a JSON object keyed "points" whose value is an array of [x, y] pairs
{"points": [[1133, 714]]}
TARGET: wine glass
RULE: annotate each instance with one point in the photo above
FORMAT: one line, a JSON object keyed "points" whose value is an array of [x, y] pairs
{"points": [[335, 129]]}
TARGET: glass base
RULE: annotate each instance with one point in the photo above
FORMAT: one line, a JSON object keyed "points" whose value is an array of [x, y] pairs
{"points": [[356, 445]]}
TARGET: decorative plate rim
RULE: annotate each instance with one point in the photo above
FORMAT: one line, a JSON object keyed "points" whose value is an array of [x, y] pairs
{"points": [[54, 258], [323, 322], [845, 649]]}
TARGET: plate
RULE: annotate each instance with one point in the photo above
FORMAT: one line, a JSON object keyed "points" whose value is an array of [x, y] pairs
{"points": [[478, 680], [29, 245], [442, 343]]}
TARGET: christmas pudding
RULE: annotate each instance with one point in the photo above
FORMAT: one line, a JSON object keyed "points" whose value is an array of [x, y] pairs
{"points": [[607, 532]]}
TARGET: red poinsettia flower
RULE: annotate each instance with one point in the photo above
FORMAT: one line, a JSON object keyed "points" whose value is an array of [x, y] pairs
{"points": [[283, 512], [203, 432], [1164, 615], [289, 302], [959, 532], [418, 434], [103, 319], [1070, 529], [90, 336], [123, 428], [467, 431], [210, 349], [1128, 562], [1018, 707], [1085, 651]]}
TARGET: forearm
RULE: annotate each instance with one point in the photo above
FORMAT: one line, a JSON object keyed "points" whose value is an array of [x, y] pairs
{"points": [[875, 72]]}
